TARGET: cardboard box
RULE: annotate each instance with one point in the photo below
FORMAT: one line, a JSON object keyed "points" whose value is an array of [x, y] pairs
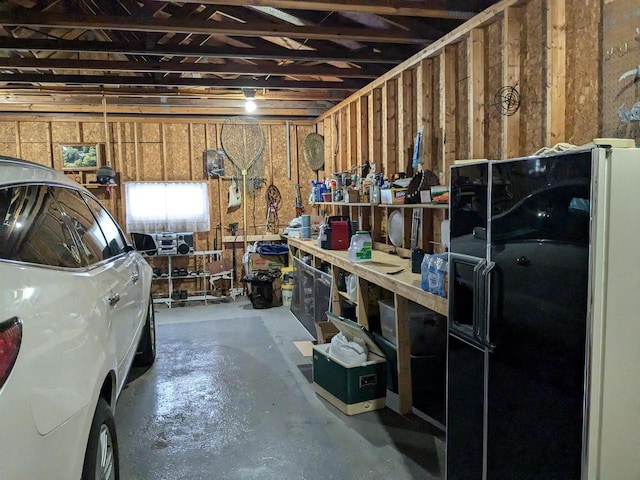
{"points": [[352, 389], [325, 332], [393, 196], [266, 262], [219, 266]]}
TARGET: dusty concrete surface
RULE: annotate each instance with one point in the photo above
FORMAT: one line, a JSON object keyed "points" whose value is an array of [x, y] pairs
{"points": [[229, 398]]}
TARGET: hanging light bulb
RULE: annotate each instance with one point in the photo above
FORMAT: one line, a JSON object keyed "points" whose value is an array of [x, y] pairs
{"points": [[249, 104]]}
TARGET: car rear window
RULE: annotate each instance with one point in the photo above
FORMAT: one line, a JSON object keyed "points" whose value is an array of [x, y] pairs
{"points": [[92, 239], [34, 230]]}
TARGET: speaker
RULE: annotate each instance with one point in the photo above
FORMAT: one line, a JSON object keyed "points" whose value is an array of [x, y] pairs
{"points": [[167, 243], [184, 243]]}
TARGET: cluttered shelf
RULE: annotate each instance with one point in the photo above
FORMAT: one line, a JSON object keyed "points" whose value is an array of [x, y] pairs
{"points": [[385, 205], [389, 271]]}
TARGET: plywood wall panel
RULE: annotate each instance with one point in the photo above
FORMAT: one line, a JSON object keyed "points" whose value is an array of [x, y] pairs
{"points": [[93, 132], [583, 54], [32, 132], [150, 162], [533, 78], [494, 83], [462, 100], [8, 149], [38, 152], [286, 208], [197, 145], [64, 132], [177, 152], [7, 132]]}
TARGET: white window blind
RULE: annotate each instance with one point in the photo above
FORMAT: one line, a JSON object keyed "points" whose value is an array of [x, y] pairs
{"points": [[167, 207]]}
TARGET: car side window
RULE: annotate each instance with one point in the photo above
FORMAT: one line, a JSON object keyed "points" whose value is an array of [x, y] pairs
{"points": [[111, 230], [94, 243], [34, 230]]}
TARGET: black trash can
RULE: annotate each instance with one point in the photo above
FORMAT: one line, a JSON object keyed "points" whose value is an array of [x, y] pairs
{"points": [[264, 288]]}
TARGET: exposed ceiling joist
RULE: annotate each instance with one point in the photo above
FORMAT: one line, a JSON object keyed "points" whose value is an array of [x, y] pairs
{"points": [[169, 81], [380, 7], [141, 48], [144, 55], [229, 68], [254, 29]]}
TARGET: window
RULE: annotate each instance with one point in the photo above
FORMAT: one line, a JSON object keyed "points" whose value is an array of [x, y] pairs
{"points": [[167, 207], [111, 230], [94, 244], [34, 229]]}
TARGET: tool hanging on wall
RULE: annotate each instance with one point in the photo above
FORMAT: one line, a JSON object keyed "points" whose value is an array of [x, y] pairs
{"points": [[243, 142], [298, 199], [274, 201]]}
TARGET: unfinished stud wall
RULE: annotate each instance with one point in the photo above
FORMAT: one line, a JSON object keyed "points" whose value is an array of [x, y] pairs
{"points": [[168, 150], [548, 50]]}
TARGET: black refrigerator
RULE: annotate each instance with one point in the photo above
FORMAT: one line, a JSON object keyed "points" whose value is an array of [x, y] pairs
{"points": [[518, 314]]}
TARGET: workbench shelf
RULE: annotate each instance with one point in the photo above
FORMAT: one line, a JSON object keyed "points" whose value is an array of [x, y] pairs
{"points": [[391, 276]]}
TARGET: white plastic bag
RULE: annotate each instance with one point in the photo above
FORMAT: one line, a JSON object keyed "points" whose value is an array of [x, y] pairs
{"points": [[235, 199], [351, 354], [352, 287]]}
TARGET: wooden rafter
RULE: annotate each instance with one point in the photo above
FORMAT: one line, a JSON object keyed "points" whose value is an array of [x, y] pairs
{"points": [[229, 68], [131, 24], [164, 81], [140, 48], [380, 7]]}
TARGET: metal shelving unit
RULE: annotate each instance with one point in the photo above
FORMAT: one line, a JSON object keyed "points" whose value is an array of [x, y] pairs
{"points": [[203, 291]]}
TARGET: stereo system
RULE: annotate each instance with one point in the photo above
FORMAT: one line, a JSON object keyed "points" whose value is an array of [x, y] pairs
{"points": [[174, 243]]}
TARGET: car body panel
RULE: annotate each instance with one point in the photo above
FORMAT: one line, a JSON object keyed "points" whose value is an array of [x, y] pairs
{"points": [[73, 342]]}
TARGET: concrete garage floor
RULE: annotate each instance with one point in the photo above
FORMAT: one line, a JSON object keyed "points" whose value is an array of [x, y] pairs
{"points": [[230, 397]]}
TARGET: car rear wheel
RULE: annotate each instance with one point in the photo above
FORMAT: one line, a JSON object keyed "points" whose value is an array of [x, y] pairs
{"points": [[147, 346], [101, 457]]}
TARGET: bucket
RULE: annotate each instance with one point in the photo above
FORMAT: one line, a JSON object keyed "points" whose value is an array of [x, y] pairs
{"points": [[326, 197], [287, 295]]}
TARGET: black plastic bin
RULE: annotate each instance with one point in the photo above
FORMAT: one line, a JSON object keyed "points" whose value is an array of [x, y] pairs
{"points": [[428, 375]]}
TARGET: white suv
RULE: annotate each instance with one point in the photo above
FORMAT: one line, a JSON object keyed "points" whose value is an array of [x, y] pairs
{"points": [[75, 310]]}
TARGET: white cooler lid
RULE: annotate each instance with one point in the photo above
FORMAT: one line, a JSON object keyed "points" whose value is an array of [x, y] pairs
{"points": [[352, 330]]}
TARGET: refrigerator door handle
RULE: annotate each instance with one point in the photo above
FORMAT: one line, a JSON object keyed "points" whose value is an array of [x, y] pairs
{"points": [[478, 299], [485, 302]]}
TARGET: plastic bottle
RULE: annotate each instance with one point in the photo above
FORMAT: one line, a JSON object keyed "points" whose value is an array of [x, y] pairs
{"points": [[360, 247], [424, 271]]}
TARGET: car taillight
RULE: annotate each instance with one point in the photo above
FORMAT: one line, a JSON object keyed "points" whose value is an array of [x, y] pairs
{"points": [[10, 339]]}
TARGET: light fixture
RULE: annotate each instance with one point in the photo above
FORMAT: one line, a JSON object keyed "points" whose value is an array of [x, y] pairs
{"points": [[250, 104]]}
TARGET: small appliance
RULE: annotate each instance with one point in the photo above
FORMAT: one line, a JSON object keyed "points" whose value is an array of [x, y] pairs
{"points": [[337, 233]]}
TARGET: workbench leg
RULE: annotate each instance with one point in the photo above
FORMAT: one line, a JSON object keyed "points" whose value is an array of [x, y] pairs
{"points": [[362, 292], [403, 346]]}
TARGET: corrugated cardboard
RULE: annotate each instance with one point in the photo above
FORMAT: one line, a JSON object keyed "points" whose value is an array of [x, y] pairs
{"points": [[266, 262]]}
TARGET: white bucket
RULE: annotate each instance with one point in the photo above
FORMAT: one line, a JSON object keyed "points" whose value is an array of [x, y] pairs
{"points": [[287, 295]]}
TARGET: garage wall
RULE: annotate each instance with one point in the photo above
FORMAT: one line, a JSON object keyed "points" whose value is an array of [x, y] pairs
{"points": [[548, 50], [146, 149]]}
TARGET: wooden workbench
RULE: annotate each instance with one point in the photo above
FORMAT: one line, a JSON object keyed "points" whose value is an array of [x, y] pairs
{"points": [[404, 285]]}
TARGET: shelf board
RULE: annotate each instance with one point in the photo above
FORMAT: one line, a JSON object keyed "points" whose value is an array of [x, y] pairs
{"points": [[342, 204], [252, 238], [386, 205], [346, 296]]}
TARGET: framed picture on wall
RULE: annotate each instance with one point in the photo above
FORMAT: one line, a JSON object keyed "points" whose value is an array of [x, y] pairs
{"points": [[81, 156], [214, 163]]}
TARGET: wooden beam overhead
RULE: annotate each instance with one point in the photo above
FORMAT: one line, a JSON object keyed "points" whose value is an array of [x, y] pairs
{"points": [[167, 81], [141, 48], [229, 68], [380, 7], [189, 26]]}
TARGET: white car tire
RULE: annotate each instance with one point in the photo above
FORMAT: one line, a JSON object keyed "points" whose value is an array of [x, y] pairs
{"points": [[101, 457]]}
